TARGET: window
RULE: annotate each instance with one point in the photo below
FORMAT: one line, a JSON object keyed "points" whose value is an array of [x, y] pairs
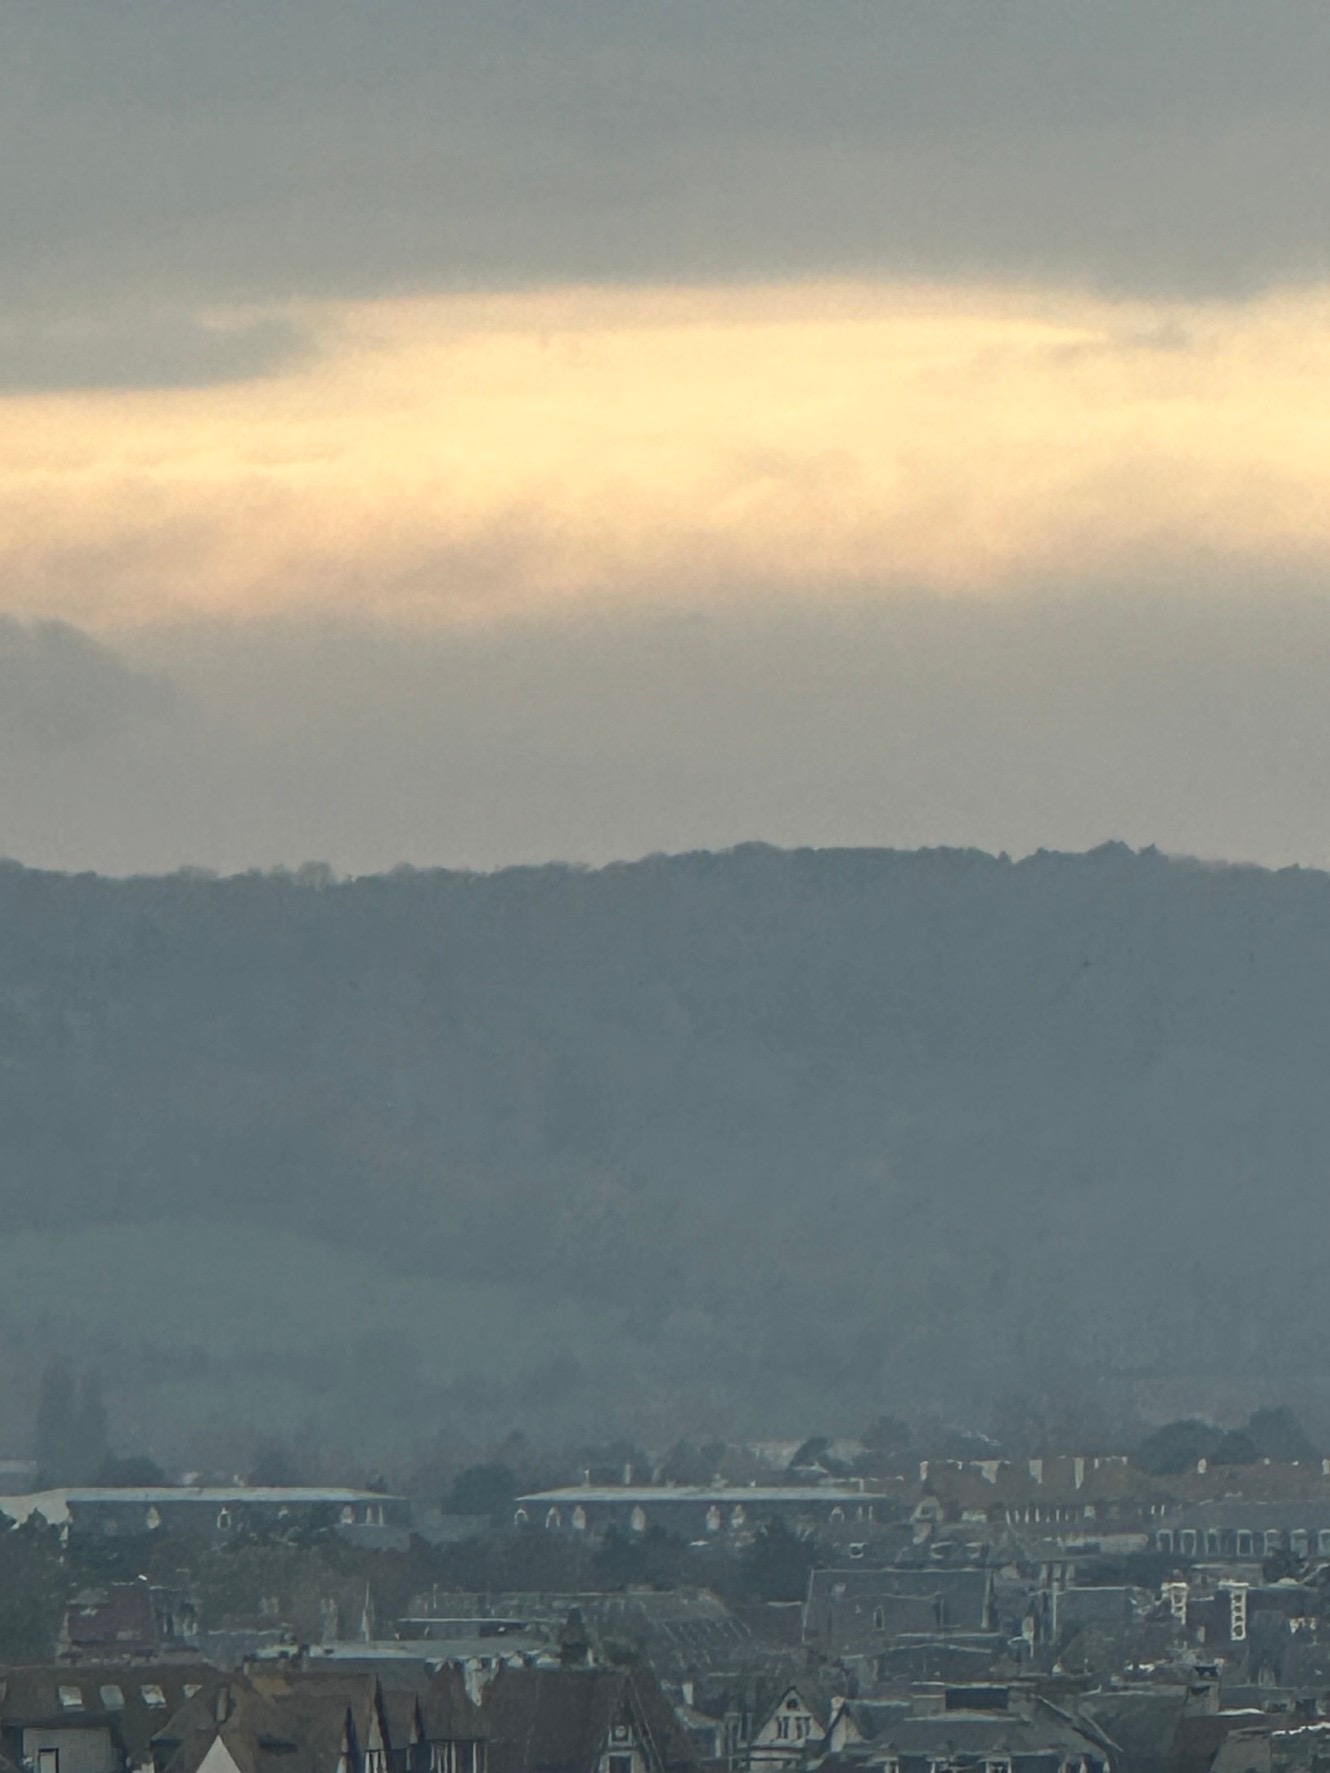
{"points": [[48, 1760], [618, 1764], [223, 1520], [1164, 1539], [1187, 1541], [997, 1766], [153, 1696], [152, 1519], [782, 1728], [1323, 1542], [113, 1699], [1244, 1544], [1272, 1537], [638, 1520], [879, 1618], [71, 1698]]}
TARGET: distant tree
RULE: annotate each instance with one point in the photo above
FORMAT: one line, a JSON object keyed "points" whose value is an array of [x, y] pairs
{"points": [[91, 1428], [617, 1461], [1279, 1566], [813, 1451], [135, 1471], [518, 1454], [1234, 1448], [33, 1591], [54, 1446], [1277, 1434], [777, 1563], [1176, 1447], [619, 1560], [71, 1432], [887, 1434], [274, 1464], [654, 1558], [484, 1489], [687, 1464]]}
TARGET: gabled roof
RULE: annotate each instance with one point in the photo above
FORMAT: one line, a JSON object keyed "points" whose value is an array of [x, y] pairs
{"points": [[299, 1721], [558, 1720]]}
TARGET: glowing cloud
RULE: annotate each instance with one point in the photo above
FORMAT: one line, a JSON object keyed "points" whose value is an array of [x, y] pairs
{"points": [[463, 457]]}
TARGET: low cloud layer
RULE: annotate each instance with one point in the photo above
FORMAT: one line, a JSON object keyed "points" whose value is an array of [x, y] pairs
{"points": [[63, 694], [1194, 719], [184, 152]]}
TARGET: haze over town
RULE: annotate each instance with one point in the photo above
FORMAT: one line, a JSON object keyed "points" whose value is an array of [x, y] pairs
{"points": [[664, 929]]}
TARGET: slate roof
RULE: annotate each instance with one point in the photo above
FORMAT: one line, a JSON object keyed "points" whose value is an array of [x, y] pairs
{"points": [[1142, 1721], [979, 1735], [132, 1699], [256, 1735], [556, 1720], [959, 1599], [448, 1713]]}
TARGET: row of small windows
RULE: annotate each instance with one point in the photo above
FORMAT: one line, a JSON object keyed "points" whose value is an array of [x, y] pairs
{"points": [[1242, 1542], [637, 1519], [370, 1515], [1043, 1512], [113, 1697]]}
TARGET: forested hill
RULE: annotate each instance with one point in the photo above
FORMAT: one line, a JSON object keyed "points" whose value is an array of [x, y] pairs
{"points": [[757, 1139]]}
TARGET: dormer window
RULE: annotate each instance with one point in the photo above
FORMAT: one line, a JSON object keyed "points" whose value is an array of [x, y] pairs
{"points": [[71, 1698]]}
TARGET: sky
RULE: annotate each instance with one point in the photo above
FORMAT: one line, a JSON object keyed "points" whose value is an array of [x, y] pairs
{"points": [[465, 435]]}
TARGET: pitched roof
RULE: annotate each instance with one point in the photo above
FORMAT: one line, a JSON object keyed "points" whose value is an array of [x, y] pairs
{"points": [[448, 1713], [952, 1735], [131, 1699], [557, 1720]]}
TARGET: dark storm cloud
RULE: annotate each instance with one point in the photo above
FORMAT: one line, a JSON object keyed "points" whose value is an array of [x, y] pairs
{"points": [[193, 152]]}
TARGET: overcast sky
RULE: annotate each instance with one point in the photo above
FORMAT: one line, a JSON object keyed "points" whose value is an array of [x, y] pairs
{"points": [[477, 433]]}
